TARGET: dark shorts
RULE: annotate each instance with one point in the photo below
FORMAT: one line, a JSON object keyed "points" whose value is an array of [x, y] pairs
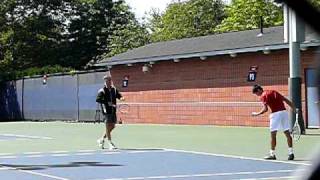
{"points": [[110, 118]]}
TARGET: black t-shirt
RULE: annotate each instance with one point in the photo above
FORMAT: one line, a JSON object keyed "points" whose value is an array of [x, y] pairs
{"points": [[108, 97]]}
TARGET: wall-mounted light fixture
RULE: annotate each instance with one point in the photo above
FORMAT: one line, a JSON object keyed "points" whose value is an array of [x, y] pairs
{"points": [[146, 68], [129, 64], [176, 60], [232, 54], [203, 58], [152, 62], [303, 48], [266, 51]]}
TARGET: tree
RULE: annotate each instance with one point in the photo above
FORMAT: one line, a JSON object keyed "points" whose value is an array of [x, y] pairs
{"points": [[186, 19], [315, 3], [127, 32], [67, 33], [245, 14]]}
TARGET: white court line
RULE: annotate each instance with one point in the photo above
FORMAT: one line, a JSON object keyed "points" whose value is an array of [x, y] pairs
{"points": [[203, 175], [238, 157], [110, 153], [83, 154], [57, 152], [32, 153], [272, 178], [26, 136], [35, 156], [86, 151], [6, 154], [145, 151], [59, 155], [8, 157], [34, 173]]}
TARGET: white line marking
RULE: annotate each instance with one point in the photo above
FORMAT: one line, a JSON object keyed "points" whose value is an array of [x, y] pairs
{"points": [[5, 154], [111, 153], [284, 177], [5, 168], [157, 177], [44, 175], [60, 155], [26, 136], [36, 173], [56, 152], [35, 156], [83, 154], [32, 153], [83, 151], [238, 157], [8, 157], [205, 175], [144, 151]]}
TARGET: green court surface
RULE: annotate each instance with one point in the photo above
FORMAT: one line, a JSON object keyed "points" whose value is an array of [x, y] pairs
{"points": [[64, 136]]}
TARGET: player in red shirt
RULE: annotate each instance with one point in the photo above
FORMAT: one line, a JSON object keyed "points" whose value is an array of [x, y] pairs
{"points": [[279, 117]]}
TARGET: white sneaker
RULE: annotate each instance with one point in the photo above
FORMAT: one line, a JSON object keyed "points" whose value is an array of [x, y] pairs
{"points": [[112, 146], [101, 143]]}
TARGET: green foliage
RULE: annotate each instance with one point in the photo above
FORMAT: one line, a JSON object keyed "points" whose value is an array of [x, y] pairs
{"points": [[245, 14], [64, 33], [127, 32], [186, 19], [315, 3], [14, 74]]}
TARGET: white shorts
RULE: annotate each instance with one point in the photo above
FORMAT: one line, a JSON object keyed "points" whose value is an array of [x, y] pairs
{"points": [[279, 121]]}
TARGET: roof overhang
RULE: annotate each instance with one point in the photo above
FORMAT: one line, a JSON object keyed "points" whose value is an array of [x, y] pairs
{"points": [[205, 54]]}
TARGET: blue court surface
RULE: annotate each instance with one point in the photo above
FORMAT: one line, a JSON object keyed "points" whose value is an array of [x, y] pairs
{"points": [[136, 164]]}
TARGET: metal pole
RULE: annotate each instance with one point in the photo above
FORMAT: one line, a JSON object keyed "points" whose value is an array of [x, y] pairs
{"points": [[296, 35]]}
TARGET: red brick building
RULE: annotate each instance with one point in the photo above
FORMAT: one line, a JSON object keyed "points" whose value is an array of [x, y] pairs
{"points": [[204, 80]]}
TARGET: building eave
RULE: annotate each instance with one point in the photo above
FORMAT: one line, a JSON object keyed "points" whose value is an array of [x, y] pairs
{"points": [[205, 54]]}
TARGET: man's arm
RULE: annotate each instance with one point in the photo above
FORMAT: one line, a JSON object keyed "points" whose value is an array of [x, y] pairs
{"points": [[263, 110], [103, 108], [101, 100], [290, 103], [119, 95]]}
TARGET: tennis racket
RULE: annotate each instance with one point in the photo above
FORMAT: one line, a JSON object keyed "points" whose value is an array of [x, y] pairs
{"points": [[123, 108], [98, 114], [296, 130]]}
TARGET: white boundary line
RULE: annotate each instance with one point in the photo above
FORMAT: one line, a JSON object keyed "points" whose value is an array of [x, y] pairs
{"points": [[207, 175], [84, 152], [272, 178], [26, 136], [33, 173], [237, 157], [74, 153]]}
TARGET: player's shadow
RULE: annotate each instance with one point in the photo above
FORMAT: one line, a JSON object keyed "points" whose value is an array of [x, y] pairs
{"points": [[71, 164]]}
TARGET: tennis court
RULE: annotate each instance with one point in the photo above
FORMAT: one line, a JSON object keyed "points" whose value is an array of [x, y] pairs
{"points": [[59, 150]]}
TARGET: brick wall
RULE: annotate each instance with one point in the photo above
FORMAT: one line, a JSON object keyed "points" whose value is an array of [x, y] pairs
{"points": [[214, 91]]}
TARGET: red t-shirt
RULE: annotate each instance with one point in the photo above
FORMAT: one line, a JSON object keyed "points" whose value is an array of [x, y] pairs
{"points": [[273, 99]]}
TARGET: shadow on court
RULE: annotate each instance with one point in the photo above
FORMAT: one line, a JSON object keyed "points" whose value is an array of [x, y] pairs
{"points": [[141, 164]]}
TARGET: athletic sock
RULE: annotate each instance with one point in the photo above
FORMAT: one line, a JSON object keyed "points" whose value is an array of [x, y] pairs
{"points": [[272, 152], [290, 150]]}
